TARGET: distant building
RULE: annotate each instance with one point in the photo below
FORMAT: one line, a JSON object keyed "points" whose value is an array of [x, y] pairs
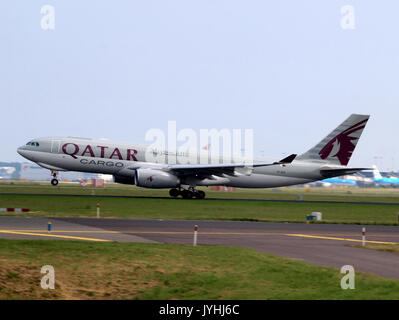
{"points": [[33, 172], [10, 170]]}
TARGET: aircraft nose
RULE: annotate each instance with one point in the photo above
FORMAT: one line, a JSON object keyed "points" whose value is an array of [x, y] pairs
{"points": [[20, 150]]}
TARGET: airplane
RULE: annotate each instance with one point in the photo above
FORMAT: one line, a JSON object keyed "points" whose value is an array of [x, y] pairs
{"points": [[128, 164], [339, 182], [384, 181]]}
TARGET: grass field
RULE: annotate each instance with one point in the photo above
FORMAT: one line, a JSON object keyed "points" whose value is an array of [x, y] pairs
{"points": [[151, 271], [220, 209], [387, 248], [289, 193]]}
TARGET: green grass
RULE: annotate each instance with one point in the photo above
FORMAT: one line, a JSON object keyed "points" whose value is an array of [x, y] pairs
{"points": [[219, 209], [394, 248], [291, 193], [192, 209], [151, 271]]}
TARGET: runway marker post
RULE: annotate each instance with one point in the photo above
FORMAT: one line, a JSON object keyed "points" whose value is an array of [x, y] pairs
{"points": [[49, 227], [98, 209], [195, 235], [363, 237], [14, 210]]}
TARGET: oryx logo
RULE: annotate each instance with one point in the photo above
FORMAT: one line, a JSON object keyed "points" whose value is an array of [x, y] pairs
{"points": [[342, 146]]}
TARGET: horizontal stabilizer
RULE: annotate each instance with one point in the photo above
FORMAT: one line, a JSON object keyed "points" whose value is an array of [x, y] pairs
{"points": [[329, 173]]}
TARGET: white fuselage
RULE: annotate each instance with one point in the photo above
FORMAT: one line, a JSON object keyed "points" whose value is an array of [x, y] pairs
{"points": [[102, 156]]}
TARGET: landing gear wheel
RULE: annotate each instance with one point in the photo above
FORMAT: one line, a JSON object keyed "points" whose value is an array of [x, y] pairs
{"points": [[187, 194], [199, 194], [174, 193], [54, 180]]}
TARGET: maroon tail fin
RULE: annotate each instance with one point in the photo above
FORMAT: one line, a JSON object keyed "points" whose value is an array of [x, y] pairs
{"points": [[338, 146]]}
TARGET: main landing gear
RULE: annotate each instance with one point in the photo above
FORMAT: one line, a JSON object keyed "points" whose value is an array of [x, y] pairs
{"points": [[187, 193], [54, 181]]}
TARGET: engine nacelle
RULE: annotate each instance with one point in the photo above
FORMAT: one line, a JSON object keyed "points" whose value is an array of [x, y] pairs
{"points": [[153, 178], [124, 179]]}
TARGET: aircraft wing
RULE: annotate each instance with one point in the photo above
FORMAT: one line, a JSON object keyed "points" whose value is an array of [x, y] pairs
{"points": [[234, 169]]}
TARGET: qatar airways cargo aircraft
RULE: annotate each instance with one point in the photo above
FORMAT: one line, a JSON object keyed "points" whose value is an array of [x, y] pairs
{"points": [[128, 164]]}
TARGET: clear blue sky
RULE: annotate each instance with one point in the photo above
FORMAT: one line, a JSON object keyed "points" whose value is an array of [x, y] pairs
{"points": [[286, 69]]}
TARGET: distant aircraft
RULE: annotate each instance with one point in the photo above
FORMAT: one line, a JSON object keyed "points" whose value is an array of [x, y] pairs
{"points": [[383, 181], [128, 164], [340, 182]]}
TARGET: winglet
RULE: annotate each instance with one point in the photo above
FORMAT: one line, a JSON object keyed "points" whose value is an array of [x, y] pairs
{"points": [[288, 159]]}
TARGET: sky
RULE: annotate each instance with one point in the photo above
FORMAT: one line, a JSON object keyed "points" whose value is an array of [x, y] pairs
{"points": [[288, 70]]}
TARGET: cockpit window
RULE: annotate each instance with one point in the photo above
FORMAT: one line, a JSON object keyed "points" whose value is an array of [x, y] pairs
{"points": [[32, 143]]}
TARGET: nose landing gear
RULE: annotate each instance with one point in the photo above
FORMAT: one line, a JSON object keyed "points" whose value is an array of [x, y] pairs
{"points": [[54, 181], [187, 193]]}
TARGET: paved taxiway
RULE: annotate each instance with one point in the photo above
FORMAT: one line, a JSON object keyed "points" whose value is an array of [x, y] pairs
{"points": [[321, 244]]}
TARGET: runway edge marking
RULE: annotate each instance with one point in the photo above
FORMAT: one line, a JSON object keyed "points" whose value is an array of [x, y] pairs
{"points": [[53, 236], [339, 239]]}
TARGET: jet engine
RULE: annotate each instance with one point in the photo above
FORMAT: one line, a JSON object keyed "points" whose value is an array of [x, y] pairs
{"points": [[152, 178], [149, 178], [124, 179]]}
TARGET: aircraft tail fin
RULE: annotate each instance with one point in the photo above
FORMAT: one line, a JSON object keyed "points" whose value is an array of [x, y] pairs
{"points": [[376, 173], [338, 146]]}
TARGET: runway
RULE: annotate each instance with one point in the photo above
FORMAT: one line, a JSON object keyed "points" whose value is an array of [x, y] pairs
{"points": [[206, 199], [320, 244]]}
